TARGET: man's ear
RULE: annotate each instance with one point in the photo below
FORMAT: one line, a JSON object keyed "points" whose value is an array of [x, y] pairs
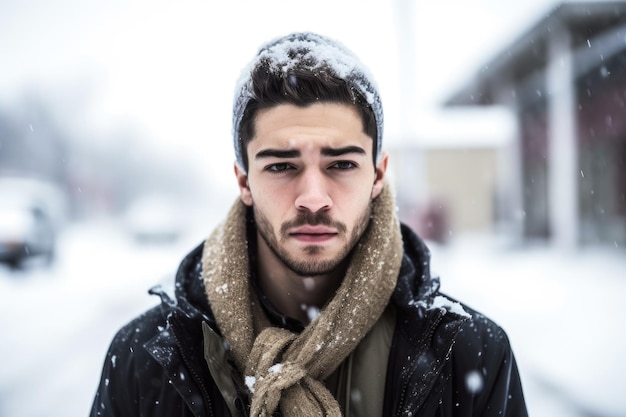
{"points": [[244, 188], [380, 170]]}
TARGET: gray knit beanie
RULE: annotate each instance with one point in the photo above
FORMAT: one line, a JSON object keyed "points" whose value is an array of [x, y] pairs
{"points": [[308, 51]]}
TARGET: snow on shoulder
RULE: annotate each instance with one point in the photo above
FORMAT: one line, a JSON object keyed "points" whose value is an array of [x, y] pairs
{"points": [[448, 305]]}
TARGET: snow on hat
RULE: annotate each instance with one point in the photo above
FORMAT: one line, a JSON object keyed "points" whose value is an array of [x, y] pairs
{"points": [[308, 51]]}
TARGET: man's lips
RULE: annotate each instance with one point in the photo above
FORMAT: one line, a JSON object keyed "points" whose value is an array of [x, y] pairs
{"points": [[313, 233], [313, 230]]}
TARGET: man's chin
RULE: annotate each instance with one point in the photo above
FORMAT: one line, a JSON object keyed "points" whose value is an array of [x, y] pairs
{"points": [[314, 252], [309, 266]]}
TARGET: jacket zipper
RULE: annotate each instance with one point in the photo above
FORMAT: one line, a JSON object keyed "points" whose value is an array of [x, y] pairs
{"points": [[428, 334], [192, 370]]}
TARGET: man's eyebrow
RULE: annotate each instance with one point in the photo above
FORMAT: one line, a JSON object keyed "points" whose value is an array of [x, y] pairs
{"points": [[342, 151], [277, 153], [332, 152]]}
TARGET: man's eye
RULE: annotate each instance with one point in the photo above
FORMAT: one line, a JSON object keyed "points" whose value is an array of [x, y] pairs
{"points": [[280, 167], [343, 165]]}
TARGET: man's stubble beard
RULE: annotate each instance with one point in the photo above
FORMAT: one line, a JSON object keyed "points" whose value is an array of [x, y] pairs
{"points": [[307, 267]]}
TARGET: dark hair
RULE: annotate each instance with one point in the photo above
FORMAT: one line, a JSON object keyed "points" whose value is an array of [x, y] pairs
{"points": [[301, 87]]}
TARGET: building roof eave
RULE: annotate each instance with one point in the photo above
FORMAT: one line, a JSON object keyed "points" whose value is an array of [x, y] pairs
{"points": [[527, 54]]}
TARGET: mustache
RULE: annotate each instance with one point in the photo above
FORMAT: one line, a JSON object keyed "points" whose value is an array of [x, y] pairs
{"points": [[313, 219]]}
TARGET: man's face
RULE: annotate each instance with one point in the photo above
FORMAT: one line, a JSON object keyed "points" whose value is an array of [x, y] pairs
{"points": [[311, 182]]}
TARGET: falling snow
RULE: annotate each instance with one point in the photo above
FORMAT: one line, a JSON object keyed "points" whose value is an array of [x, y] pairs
{"points": [[474, 382]]}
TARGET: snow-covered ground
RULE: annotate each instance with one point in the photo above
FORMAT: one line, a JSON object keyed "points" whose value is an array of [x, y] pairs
{"points": [[562, 311]]}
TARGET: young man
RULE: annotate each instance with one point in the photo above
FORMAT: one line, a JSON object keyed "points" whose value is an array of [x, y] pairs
{"points": [[310, 299]]}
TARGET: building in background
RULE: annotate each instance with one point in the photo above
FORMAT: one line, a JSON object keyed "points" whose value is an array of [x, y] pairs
{"points": [[565, 81], [449, 178], [448, 167]]}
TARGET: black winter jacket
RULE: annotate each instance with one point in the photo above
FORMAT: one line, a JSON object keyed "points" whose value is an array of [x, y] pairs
{"points": [[441, 364]]}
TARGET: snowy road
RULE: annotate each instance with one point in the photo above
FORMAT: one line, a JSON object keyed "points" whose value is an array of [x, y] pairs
{"points": [[562, 313], [57, 323]]}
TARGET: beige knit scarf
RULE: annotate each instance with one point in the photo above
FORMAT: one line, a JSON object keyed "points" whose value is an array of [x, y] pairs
{"points": [[287, 370]]}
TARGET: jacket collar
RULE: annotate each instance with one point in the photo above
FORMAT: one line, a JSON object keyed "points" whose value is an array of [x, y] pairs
{"points": [[427, 324]]}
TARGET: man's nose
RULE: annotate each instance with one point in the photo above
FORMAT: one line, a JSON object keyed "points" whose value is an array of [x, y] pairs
{"points": [[313, 192]]}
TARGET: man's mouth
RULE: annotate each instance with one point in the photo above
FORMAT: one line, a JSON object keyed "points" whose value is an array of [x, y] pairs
{"points": [[313, 234]]}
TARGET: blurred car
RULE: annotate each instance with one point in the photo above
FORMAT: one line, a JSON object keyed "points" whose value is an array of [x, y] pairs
{"points": [[25, 231], [30, 213], [154, 219]]}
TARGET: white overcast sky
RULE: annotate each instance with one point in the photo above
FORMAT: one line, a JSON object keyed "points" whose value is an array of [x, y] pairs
{"points": [[169, 67]]}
